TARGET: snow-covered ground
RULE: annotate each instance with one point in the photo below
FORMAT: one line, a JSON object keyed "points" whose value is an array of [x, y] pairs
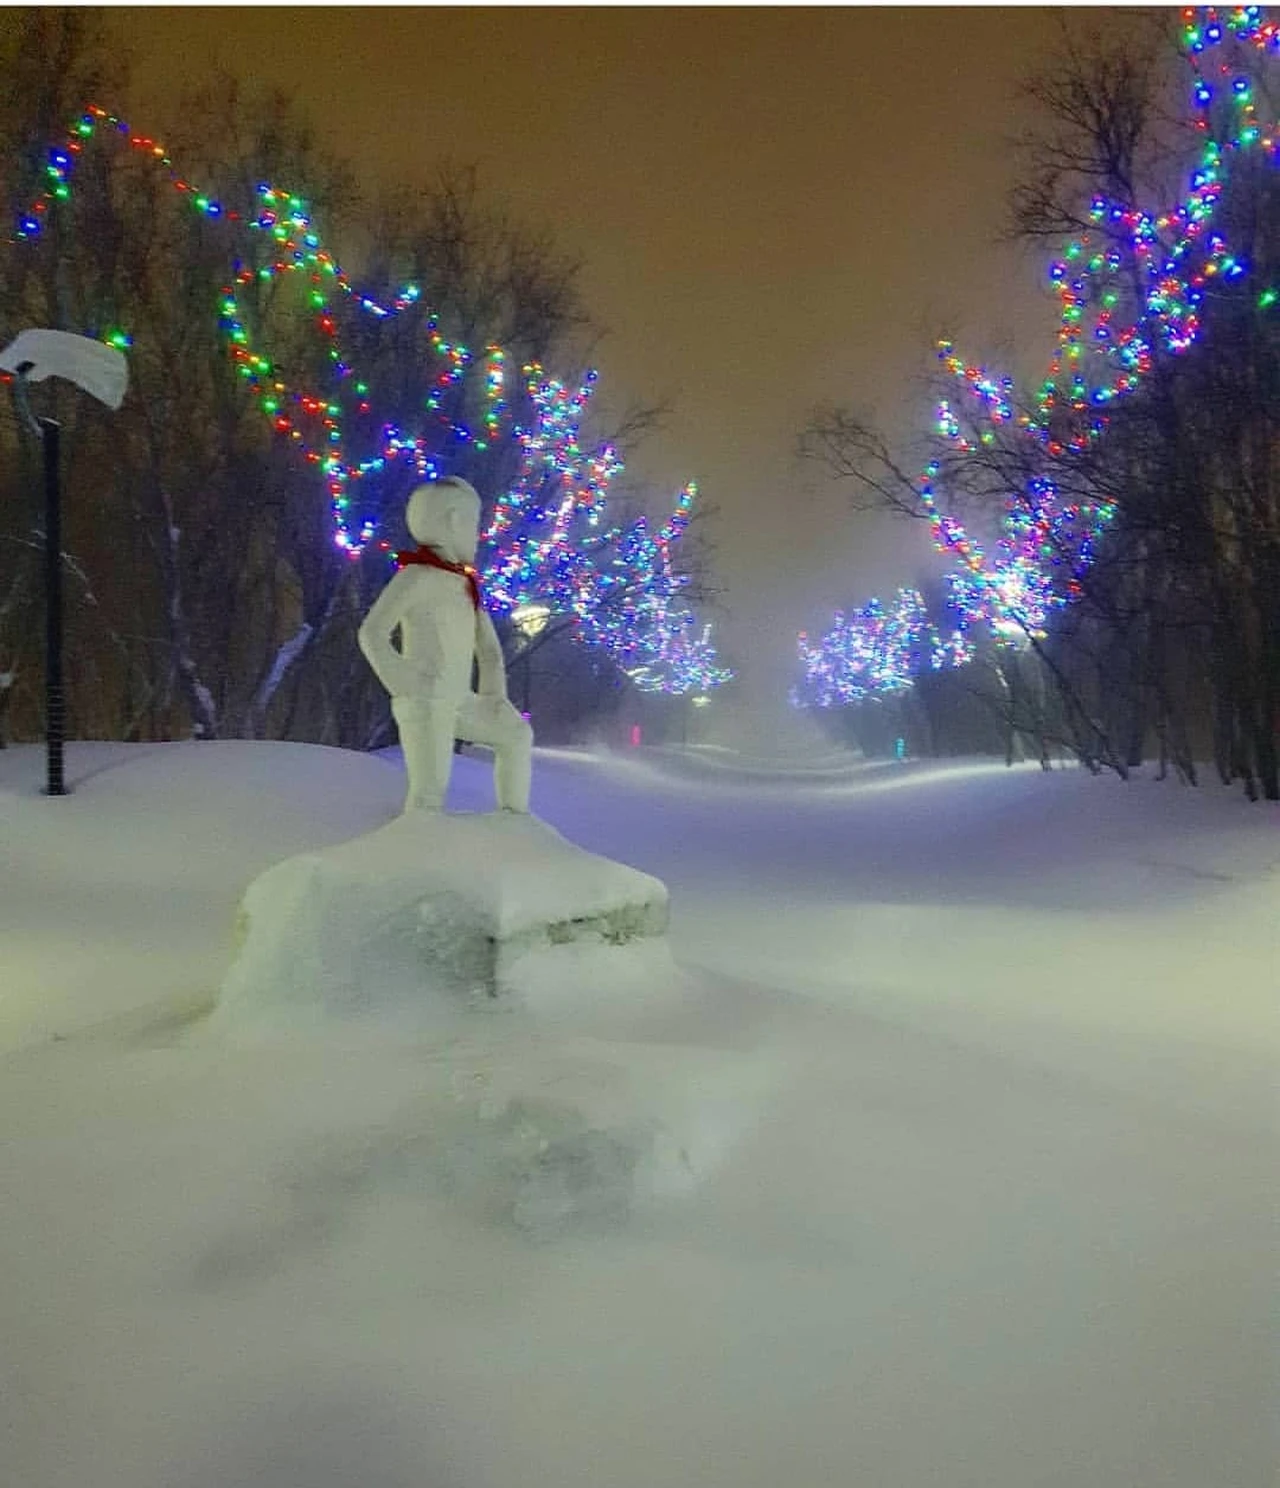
{"points": [[971, 1073]]}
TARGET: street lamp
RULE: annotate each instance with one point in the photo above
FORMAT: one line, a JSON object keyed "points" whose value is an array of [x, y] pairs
{"points": [[102, 372], [530, 620]]}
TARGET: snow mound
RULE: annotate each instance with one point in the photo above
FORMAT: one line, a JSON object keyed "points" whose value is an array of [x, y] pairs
{"points": [[118, 896], [427, 915]]}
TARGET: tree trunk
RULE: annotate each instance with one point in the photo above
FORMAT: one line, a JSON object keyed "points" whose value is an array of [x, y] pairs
{"points": [[199, 700], [285, 658]]}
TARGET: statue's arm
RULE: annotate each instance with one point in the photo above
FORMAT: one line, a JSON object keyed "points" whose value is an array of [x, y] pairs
{"points": [[393, 670], [491, 679]]}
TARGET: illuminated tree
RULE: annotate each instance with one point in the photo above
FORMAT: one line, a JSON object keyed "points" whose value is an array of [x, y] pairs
{"points": [[1115, 450], [365, 395], [876, 651], [550, 548]]}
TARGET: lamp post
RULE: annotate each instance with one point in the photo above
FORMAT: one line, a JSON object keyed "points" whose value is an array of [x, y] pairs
{"points": [[530, 620], [699, 701], [55, 703], [102, 372]]}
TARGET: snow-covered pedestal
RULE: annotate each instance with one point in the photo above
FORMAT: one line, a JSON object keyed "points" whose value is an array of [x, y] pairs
{"points": [[429, 913]]}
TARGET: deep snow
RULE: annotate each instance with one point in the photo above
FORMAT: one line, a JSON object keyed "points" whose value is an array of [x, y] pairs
{"points": [[972, 1071]]}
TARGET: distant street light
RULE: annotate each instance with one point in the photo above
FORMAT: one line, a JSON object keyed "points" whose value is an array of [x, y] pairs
{"points": [[102, 372]]}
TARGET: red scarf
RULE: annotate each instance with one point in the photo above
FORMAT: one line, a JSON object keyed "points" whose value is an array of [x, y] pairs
{"points": [[431, 559]]}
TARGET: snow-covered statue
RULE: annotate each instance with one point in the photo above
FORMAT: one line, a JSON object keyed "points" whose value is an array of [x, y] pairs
{"points": [[434, 602]]}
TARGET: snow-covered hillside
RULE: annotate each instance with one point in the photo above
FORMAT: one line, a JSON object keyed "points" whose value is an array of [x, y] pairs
{"points": [[963, 1085]]}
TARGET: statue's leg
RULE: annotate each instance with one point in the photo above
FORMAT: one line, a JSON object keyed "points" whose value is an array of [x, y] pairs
{"points": [[513, 768], [511, 740], [427, 732]]}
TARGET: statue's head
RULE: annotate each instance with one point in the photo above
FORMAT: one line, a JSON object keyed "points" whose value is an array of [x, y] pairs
{"points": [[445, 515]]}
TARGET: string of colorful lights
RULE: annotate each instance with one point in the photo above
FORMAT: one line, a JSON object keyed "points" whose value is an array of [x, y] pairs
{"points": [[311, 418], [546, 542], [680, 658], [547, 545], [1129, 293], [876, 651]]}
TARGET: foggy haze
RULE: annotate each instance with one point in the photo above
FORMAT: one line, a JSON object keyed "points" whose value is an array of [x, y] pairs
{"points": [[776, 208]]}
